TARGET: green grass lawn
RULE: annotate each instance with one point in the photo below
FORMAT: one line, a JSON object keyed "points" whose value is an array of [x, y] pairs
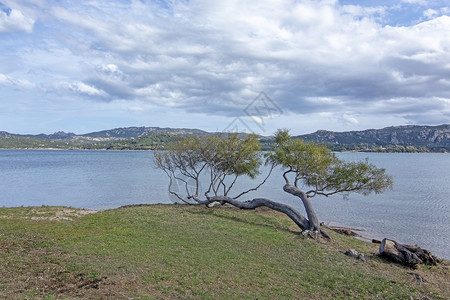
{"points": [[178, 251]]}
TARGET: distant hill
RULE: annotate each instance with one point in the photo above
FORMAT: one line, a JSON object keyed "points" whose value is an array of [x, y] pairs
{"points": [[60, 135], [412, 138], [131, 132], [116, 133], [129, 138], [422, 138]]}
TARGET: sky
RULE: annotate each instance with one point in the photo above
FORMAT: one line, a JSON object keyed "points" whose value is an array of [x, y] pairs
{"points": [[251, 66]]}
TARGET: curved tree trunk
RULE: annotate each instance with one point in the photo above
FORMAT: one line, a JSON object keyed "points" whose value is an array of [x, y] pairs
{"points": [[294, 215], [312, 217]]}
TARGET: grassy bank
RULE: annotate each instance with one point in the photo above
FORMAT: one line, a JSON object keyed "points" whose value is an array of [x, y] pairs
{"points": [[153, 252]]}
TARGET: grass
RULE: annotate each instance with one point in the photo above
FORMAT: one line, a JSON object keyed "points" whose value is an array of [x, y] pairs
{"points": [[177, 251]]}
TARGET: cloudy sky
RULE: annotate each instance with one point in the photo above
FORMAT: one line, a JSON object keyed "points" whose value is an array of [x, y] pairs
{"points": [[84, 66]]}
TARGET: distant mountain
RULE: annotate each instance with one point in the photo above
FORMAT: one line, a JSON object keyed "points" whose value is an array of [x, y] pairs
{"points": [[412, 138], [131, 132], [129, 138], [60, 135], [116, 133], [434, 138]]}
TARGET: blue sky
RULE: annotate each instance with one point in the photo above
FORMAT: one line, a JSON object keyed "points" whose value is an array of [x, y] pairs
{"points": [[84, 66]]}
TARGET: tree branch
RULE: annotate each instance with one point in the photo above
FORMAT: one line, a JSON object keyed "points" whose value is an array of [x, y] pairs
{"points": [[172, 192], [259, 185], [293, 214], [285, 175]]}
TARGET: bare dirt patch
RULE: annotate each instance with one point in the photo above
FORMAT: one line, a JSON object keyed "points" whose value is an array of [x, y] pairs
{"points": [[48, 213], [67, 214]]}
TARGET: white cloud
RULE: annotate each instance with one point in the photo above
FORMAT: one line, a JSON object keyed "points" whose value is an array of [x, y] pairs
{"points": [[420, 2], [83, 88], [349, 120], [430, 13], [20, 84], [14, 20]]}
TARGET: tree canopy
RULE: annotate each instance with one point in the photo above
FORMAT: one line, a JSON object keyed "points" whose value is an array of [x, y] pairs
{"points": [[319, 169]]}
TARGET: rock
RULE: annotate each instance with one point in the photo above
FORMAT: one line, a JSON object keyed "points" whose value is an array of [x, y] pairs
{"points": [[311, 233], [351, 252], [214, 204], [418, 277], [356, 254], [362, 257], [407, 255], [375, 241], [345, 231]]}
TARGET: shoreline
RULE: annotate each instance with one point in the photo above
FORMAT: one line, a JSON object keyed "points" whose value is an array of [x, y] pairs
{"points": [[106, 149], [365, 235]]}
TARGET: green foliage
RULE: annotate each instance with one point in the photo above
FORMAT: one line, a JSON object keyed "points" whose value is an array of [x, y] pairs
{"points": [[362, 177], [146, 142], [317, 167], [13, 142], [218, 156], [307, 160], [226, 155], [234, 156]]}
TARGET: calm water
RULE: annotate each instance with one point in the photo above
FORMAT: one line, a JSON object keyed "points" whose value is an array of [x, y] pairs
{"points": [[417, 210]]}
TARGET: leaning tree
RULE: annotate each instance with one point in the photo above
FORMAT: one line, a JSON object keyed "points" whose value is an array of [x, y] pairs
{"points": [[312, 170], [309, 170]]}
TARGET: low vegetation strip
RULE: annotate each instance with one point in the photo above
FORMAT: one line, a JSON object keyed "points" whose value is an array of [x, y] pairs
{"points": [[180, 251]]}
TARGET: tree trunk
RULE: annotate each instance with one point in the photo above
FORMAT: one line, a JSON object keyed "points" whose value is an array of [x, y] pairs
{"points": [[312, 217], [407, 255], [293, 214]]}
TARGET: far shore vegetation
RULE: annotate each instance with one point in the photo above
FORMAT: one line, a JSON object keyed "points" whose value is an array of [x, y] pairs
{"points": [[182, 251], [160, 141]]}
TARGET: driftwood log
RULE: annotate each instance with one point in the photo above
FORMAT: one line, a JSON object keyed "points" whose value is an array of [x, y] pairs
{"points": [[407, 255]]}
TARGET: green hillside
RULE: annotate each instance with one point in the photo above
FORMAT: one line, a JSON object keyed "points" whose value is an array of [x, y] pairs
{"points": [[180, 252]]}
